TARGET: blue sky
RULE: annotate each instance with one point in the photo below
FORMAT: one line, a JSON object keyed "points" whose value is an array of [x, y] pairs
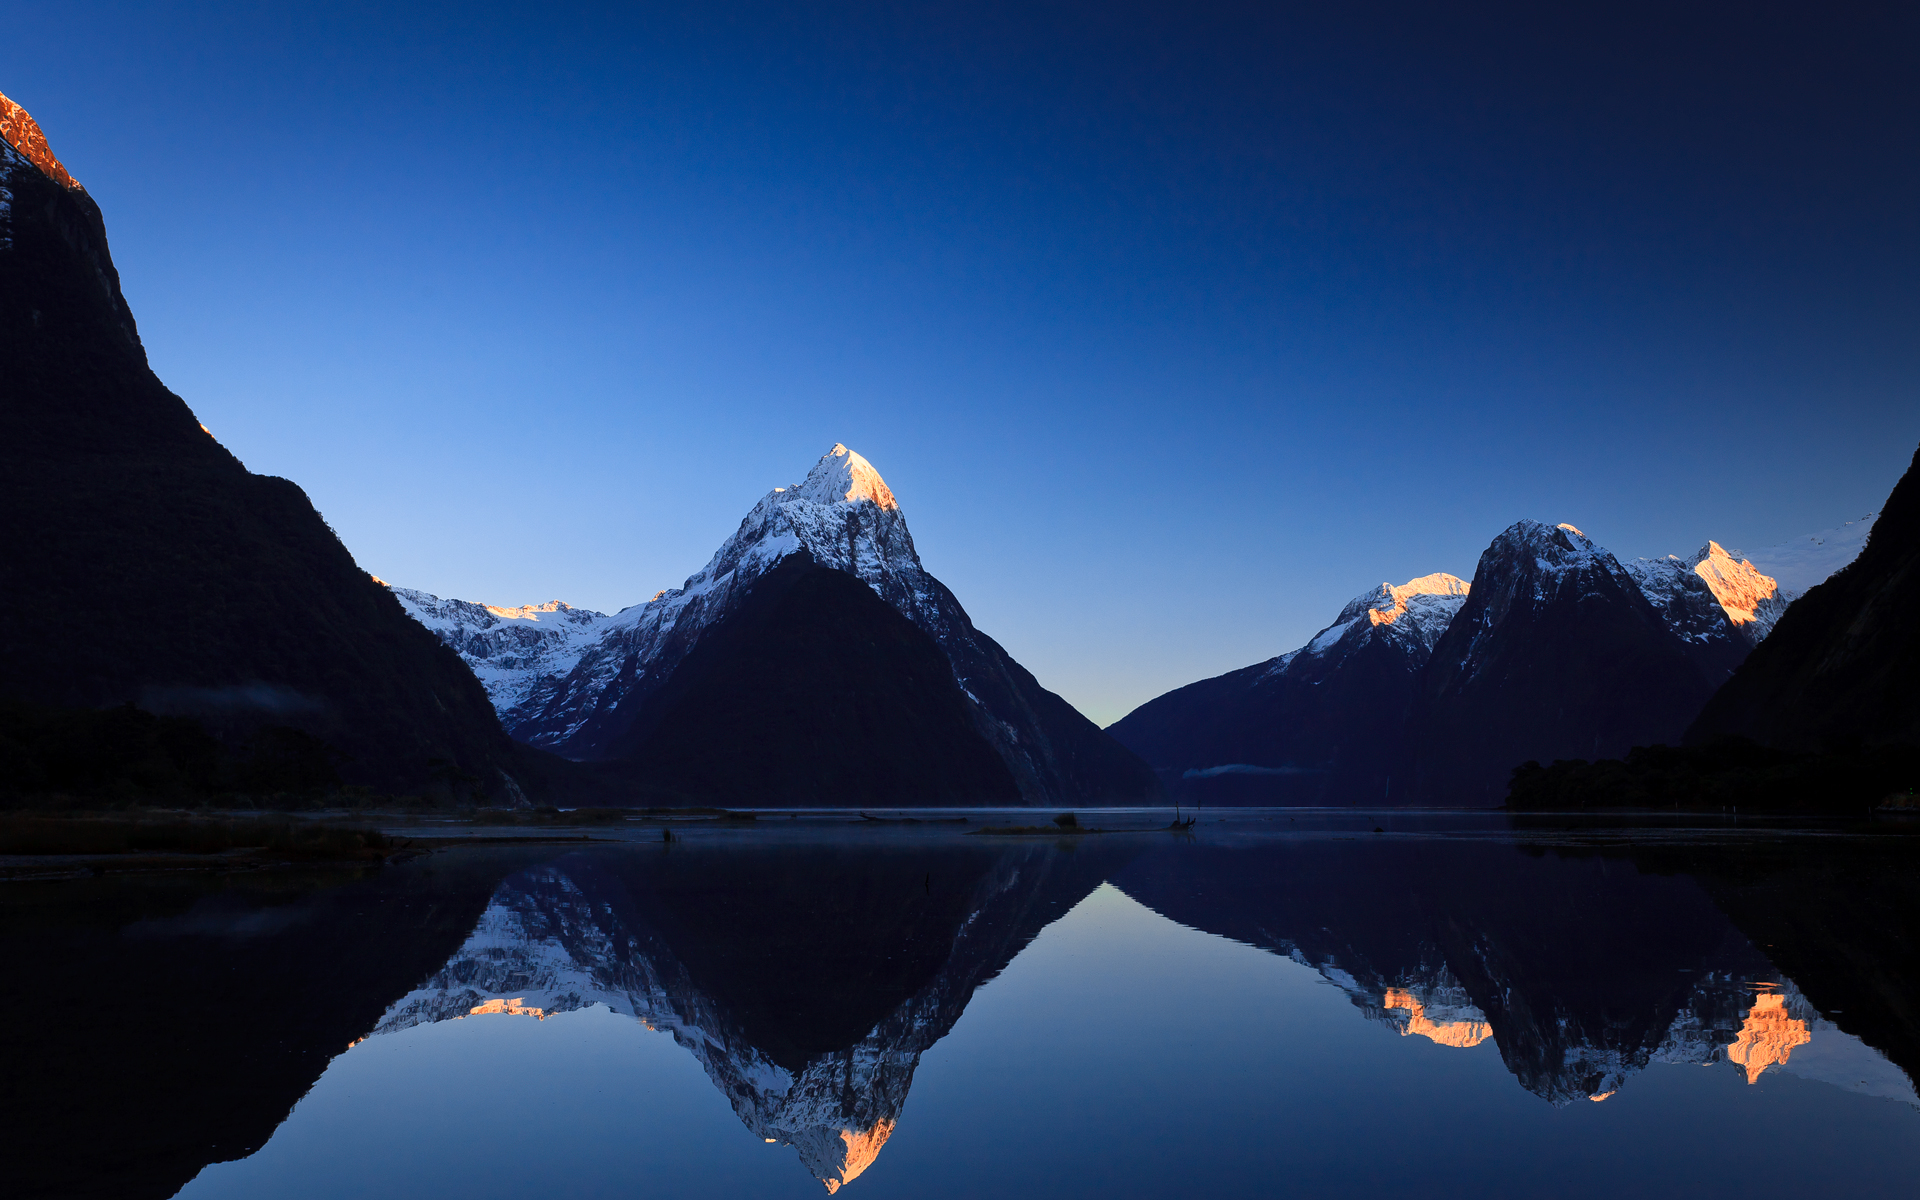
{"points": [[1172, 326]]}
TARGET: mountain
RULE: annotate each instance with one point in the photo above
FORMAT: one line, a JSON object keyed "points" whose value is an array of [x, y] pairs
{"points": [[1840, 664], [1581, 972], [158, 570], [1710, 598], [1318, 725], [1431, 692], [515, 652], [1557, 654], [808, 1003], [608, 701]]}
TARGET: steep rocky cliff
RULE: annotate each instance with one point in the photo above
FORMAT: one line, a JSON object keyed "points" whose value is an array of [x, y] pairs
{"points": [[158, 570]]}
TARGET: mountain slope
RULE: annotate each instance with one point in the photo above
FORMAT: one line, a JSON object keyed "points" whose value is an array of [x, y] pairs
{"points": [[814, 691], [160, 571], [1319, 725], [845, 518], [1804, 562], [1557, 653], [1840, 664]]}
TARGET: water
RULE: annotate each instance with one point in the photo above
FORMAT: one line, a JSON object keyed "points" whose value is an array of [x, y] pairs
{"points": [[1457, 1006]]}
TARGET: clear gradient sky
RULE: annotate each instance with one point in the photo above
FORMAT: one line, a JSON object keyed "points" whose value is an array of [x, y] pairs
{"points": [[1172, 326]]}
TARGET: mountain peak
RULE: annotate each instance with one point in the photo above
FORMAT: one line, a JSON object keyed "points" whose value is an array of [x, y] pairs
{"points": [[843, 477], [22, 132], [1740, 587]]}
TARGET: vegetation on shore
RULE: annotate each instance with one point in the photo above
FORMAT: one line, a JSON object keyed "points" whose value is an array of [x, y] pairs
{"points": [[1727, 775], [177, 833]]}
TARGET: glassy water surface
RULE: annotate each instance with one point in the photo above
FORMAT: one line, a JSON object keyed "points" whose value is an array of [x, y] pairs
{"points": [[1457, 1006]]}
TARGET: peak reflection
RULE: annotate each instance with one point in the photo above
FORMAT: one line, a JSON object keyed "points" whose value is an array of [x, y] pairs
{"points": [[1581, 971], [807, 984]]}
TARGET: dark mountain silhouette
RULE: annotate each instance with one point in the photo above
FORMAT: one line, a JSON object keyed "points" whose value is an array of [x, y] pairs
{"points": [[1840, 665], [1557, 654], [813, 690], [1321, 725], [158, 570]]}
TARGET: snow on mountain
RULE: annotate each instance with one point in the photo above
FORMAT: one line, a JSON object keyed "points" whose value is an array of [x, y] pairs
{"points": [[545, 946], [1415, 613], [577, 690], [520, 654], [1803, 562], [1702, 594], [564, 937], [842, 514]]}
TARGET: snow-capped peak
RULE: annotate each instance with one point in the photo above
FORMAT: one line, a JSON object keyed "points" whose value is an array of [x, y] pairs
{"points": [[841, 476], [517, 652], [1415, 612], [1396, 598], [22, 132], [1737, 584]]}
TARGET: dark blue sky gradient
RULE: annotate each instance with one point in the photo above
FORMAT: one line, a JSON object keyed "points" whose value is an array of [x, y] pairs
{"points": [[1172, 326]]}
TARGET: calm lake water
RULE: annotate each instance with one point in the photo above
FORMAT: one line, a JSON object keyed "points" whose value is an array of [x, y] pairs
{"points": [[1454, 1006]]}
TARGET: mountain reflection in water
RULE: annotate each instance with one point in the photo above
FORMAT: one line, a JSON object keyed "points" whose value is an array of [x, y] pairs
{"points": [[806, 985], [809, 974]]}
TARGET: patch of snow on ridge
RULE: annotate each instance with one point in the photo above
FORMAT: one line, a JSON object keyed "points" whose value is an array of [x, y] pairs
{"points": [[518, 653], [1417, 611], [1805, 562], [1747, 599]]}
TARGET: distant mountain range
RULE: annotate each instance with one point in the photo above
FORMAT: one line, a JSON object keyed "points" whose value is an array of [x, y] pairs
{"points": [[812, 661], [1430, 693]]}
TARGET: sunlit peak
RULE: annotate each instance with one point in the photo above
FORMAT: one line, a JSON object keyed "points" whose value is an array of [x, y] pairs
{"points": [[1437, 584], [843, 476], [862, 1149], [1736, 583], [1459, 1034], [516, 1007], [1769, 1035], [23, 134]]}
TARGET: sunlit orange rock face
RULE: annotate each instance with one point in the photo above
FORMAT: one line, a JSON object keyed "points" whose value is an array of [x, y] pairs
{"points": [[862, 1149], [1736, 583], [23, 134], [1459, 1034], [513, 1008], [1769, 1035], [1438, 584]]}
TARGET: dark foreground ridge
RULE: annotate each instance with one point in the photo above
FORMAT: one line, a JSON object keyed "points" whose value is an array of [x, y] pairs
{"points": [[158, 570], [1840, 665]]}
